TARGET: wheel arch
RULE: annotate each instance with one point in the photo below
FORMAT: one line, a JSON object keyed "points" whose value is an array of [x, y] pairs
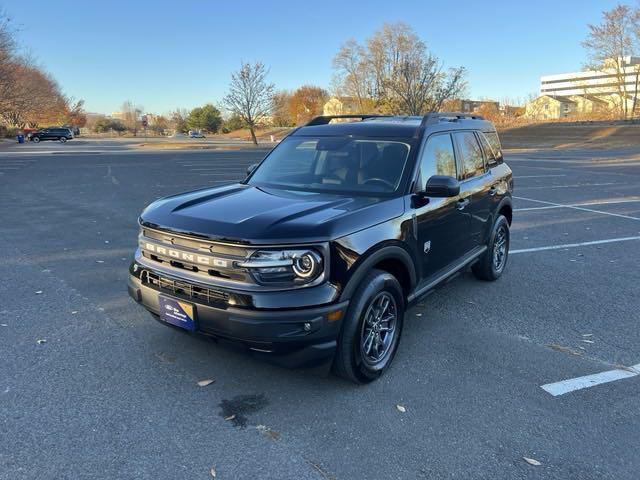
{"points": [[506, 208], [393, 259]]}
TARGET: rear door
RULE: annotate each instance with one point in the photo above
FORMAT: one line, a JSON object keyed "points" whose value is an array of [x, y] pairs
{"points": [[442, 228], [475, 188]]}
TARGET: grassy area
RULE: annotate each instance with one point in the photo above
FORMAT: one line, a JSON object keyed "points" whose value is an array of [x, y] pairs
{"points": [[562, 135], [263, 134]]}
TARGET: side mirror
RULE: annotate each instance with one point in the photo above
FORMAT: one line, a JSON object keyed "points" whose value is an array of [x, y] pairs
{"points": [[251, 168], [442, 186]]}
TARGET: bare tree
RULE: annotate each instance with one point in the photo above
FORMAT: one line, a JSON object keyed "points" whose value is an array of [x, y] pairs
{"points": [[353, 75], [397, 71], [250, 95], [131, 114], [608, 43]]}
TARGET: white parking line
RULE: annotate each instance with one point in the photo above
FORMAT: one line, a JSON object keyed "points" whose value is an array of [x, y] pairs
{"points": [[575, 185], [538, 176], [573, 245], [584, 204], [573, 384], [231, 175], [628, 217]]}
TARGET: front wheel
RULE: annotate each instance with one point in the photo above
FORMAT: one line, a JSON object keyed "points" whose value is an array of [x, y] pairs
{"points": [[63, 139], [492, 263], [36, 139], [371, 330]]}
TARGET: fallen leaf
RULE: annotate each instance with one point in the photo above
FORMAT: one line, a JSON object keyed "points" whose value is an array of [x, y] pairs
{"points": [[230, 417], [38, 292], [532, 461], [267, 432], [560, 348], [40, 341], [74, 312], [401, 408], [587, 334], [106, 241], [418, 314], [99, 261], [587, 341], [204, 383], [3, 325], [213, 472]]}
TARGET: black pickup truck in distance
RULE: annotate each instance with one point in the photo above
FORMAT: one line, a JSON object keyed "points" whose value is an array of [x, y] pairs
{"points": [[315, 257]]}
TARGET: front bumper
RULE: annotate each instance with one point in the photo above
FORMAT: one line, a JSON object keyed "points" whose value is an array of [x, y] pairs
{"points": [[296, 338]]}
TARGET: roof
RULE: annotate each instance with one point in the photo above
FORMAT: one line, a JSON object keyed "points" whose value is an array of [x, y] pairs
{"points": [[392, 126]]}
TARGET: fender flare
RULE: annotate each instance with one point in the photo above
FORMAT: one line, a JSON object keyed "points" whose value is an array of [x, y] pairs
{"points": [[390, 252], [505, 201]]}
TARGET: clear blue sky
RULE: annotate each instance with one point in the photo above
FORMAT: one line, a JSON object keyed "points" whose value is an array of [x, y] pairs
{"points": [[164, 55]]}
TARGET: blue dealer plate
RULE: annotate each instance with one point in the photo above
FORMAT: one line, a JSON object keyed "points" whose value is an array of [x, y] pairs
{"points": [[177, 312]]}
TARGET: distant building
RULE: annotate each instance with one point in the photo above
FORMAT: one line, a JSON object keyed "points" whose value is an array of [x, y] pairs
{"points": [[470, 106], [341, 106], [588, 92]]}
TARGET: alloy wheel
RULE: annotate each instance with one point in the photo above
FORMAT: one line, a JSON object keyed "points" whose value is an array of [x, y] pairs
{"points": [[378, 329]]}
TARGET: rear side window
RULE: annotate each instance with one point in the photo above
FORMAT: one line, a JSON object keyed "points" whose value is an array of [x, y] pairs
{"points": [[494, 142], [489, 153], [470, 154], [438, 158]]}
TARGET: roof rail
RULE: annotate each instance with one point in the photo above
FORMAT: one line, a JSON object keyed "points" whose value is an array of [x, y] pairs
{"points": [[434, 117], [325, 119]]}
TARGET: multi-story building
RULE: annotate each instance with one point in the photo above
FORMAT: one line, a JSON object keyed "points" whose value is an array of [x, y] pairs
{"points": [[590, 91]]}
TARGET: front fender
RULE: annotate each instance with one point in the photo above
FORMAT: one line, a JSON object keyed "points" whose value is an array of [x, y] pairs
{"points": [[369, 260]]}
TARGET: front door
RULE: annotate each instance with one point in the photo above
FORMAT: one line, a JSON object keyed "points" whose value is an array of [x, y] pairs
{"points": [[475, 186], [442, 226]]}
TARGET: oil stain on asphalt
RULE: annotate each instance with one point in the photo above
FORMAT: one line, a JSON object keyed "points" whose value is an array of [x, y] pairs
{"points": [[237, 409]]}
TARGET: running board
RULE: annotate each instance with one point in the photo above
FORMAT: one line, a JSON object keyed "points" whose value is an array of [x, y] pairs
{"points": [[441, 277]]}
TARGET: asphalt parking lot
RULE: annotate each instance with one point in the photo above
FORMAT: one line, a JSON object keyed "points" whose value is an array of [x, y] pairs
{"points": [[92, 387]]}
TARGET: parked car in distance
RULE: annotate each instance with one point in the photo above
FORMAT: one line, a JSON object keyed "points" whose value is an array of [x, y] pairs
{"points": [[61, 134], [316, 256], [196, 134]]}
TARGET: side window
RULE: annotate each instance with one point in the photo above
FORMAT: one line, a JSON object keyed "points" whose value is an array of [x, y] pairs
{"points": [[489, 153], [438, 158], [470, 153], [494, 141]]}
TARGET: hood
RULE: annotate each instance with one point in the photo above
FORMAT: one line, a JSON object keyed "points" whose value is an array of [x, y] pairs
{"points": [[246, 214]]}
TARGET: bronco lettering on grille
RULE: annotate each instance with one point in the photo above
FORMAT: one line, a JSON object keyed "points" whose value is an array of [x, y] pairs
{"points": [[187, 257]]}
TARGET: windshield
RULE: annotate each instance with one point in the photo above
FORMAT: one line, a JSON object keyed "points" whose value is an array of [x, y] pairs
{"points": [[337, 164]]}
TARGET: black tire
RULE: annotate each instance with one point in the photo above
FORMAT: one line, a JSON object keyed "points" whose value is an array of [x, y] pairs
{"points": [[36, 139], [351, 360], [63, 139], [493, 262]]}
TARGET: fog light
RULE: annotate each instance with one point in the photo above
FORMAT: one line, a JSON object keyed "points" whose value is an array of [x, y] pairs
{"points": [[307, 326]]}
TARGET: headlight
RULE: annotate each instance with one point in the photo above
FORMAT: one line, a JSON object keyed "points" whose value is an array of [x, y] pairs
{"points": [[284, 266]]}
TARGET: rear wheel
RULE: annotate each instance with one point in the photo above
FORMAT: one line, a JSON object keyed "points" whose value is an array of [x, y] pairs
{"points": [[492, 263], [63, 139], [371, 329]]}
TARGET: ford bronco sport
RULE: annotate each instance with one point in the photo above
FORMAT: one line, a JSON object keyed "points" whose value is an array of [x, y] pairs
{"points": [[315, 257]]}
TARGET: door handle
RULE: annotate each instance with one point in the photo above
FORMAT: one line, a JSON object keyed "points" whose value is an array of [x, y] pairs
{"points": [[493, 190], [463, 202]]}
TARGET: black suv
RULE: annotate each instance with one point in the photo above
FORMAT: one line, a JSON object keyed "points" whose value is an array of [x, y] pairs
{"points": [[315, 257], [53, 133]]}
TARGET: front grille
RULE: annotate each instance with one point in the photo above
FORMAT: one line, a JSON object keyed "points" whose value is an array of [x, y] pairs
{"points": [[185, 290], [200, 257]]}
